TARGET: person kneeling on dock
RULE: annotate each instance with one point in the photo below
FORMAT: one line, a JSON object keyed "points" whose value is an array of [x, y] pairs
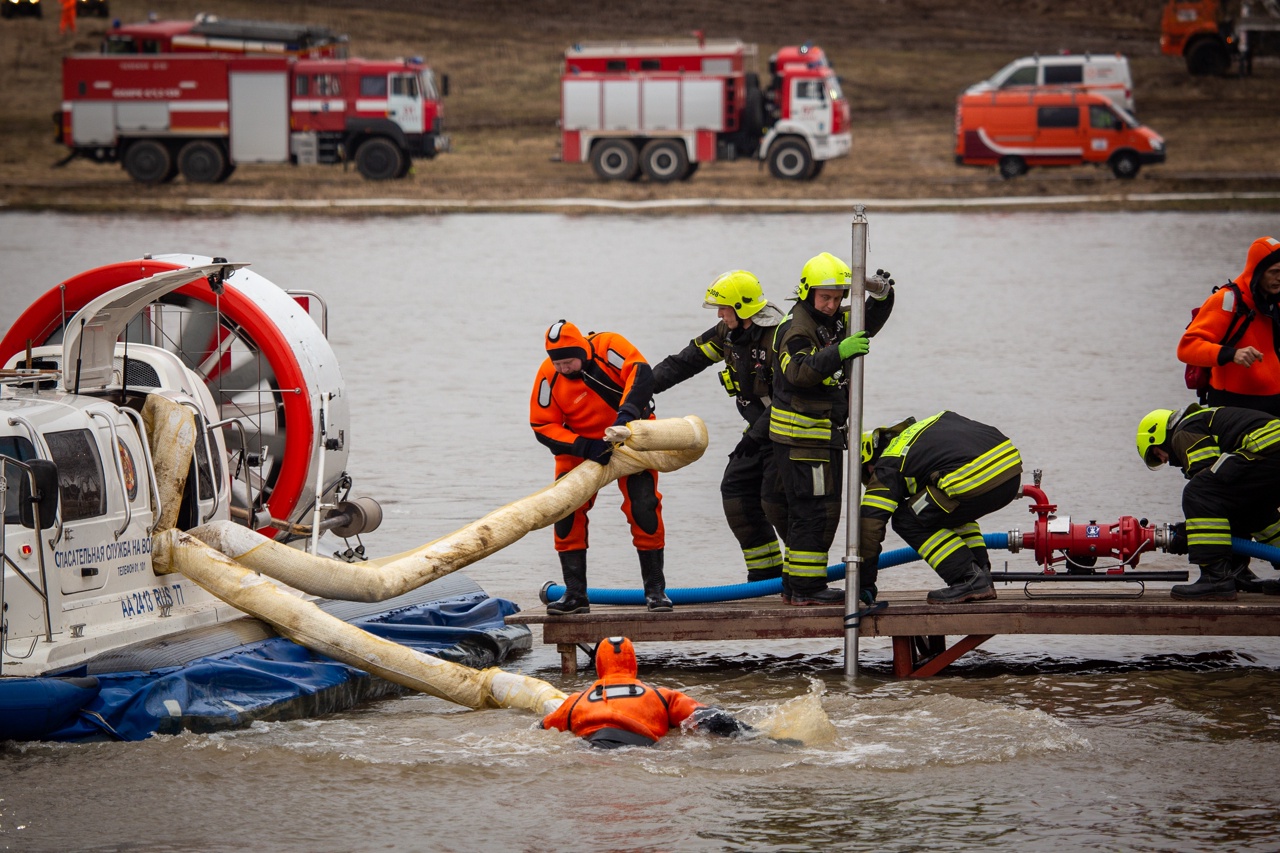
{"points": [[585, 385], [1231, 457], [957, 471], [621, 710]]}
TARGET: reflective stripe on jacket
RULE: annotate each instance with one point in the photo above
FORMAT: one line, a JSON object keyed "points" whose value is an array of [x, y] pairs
{"points": [[1204, 434]]}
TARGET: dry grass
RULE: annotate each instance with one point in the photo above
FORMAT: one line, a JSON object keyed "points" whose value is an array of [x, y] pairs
{"points": [[902, 64]]}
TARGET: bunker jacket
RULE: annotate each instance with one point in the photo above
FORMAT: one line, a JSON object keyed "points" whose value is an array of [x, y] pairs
{"points": [[810, 396], [941, 460], [1203, 435], [747, 375]]}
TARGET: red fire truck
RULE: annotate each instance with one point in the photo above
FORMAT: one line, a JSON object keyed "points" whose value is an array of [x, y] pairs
{"points": [[202, 115], [211, 34], [662, 108]]}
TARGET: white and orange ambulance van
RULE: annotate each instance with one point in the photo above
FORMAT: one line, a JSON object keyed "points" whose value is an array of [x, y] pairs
{"points": [[1015, 130]]}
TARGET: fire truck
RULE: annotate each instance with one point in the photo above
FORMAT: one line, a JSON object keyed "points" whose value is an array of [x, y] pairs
{"points": [[1208, 35], [211, 34], [203, 114], [662, 108]]}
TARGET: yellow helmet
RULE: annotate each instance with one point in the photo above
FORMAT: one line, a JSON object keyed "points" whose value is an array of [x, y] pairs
{"points": [[868, 445], [739, 290], [1153, 431], [823, 271]]}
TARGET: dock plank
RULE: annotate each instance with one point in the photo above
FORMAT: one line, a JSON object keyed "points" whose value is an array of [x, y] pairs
{"points": [[909, 616]]}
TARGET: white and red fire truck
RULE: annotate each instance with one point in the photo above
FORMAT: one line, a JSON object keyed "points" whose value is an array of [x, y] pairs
{"points": [[212, 34], [202, 115], [662, 108]]}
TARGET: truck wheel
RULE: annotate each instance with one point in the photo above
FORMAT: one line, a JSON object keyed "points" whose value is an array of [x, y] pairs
{"points": [[378, 159], [202, 161], [790, 160], [1208, 57], [1011, 166], [1125, 165], [615, 160], [148, 162], [664, 160]]}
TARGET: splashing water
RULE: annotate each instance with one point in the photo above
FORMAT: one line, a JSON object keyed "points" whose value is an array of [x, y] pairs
{"points": [[802, 719]]}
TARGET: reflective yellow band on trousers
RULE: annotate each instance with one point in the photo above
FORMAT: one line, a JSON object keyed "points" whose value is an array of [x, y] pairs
{"points": [[981, 471]]}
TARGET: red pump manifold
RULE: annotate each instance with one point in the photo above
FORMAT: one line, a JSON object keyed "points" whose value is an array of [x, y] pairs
{"points": [[1056, 540]]}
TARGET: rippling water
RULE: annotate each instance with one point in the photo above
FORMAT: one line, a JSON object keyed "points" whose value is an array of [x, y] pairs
{"points": [[1059, 328]]}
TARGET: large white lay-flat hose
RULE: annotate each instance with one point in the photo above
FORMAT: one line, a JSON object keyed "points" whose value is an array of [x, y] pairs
{"points": [[226, 560], [312, 628], [662, 445]]}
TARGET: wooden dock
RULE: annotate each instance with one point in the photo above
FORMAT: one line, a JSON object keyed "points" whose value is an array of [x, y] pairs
{"points": [[919, 630]]}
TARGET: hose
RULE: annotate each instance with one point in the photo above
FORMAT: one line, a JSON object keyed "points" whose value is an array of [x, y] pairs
{"points": [[760, 589]]}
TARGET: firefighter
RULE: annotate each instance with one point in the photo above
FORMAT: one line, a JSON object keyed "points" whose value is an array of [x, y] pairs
{"points": [[957, 471], [621, 710], [753, 505], [1231, 459], [809, 416], [585, 385], [67, 23]]}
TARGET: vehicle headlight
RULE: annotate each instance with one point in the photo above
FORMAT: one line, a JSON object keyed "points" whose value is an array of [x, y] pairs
{"points": [[1157, 145]]}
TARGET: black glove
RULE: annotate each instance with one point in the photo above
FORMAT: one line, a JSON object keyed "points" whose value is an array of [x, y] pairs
{"points": [[598, 450], [718, 721], [747, 446], [1177, 538], [593, 449], [626, 415]]}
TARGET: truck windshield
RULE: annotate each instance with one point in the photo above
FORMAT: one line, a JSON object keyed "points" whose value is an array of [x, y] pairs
{"points": [[833, 88], [429, 86]]}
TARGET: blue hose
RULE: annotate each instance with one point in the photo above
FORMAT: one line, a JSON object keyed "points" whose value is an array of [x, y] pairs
{"points": [[759, 589]]}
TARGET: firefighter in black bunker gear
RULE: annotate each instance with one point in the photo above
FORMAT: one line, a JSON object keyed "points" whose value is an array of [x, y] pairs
{"points": [[1231, 459], [753, 503], [934, 479], [808, 418]]}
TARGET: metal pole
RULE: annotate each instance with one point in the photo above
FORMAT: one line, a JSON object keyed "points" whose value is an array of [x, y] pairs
{"points": [[853, 455]]}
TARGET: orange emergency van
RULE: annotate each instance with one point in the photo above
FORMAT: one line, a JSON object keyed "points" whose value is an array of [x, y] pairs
{"points": [[1015, 130]]}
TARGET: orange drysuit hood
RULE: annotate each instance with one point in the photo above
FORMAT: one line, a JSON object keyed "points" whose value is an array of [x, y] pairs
{"points": [[1264, 253], [615, 656], [565, 341]]}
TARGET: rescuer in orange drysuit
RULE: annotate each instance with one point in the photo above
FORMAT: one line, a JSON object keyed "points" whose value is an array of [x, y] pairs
{"points": [[586, 385], [621, 710], [68, 20], [1245, 366]]}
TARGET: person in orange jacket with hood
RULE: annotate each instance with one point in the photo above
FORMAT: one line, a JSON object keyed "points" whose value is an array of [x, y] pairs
{"points": [[621, 710], [67, 23], [1244, 372], [586, 385]]}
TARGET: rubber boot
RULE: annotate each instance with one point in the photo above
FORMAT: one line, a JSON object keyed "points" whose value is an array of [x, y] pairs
{"points": [[573, 565], [974, 585], [1245, 579], [1215, 584], [655, 585], [816, 596]]}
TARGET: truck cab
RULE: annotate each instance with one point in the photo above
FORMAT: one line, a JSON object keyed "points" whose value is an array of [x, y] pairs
{"points": [[805, 102]]}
